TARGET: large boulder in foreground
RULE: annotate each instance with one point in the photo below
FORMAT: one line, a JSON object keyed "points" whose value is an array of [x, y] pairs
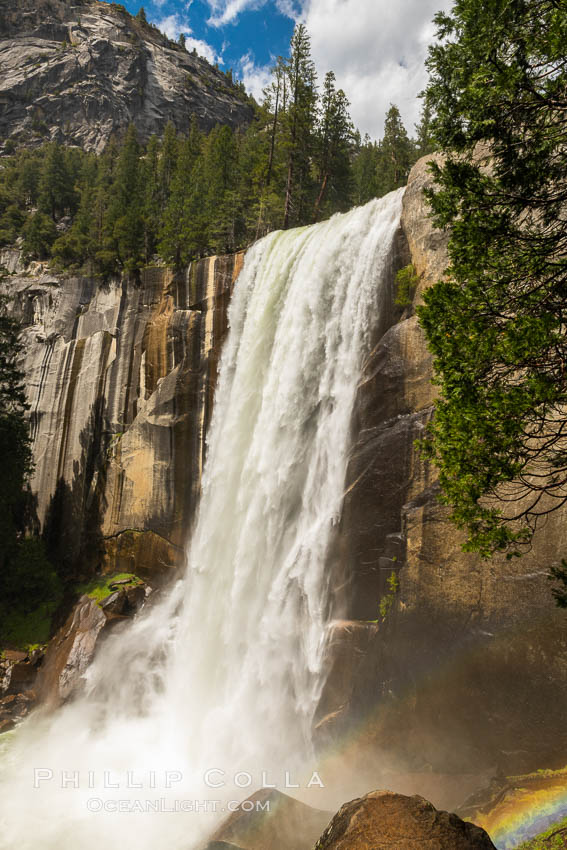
{"points": [[279, 823], [383, 820]]}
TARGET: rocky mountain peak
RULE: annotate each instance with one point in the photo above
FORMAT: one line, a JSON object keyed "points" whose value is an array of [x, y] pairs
{"points": [[79, 72]]}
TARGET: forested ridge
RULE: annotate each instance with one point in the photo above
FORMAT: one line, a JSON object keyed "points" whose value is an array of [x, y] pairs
{"points": [[179, 198]]}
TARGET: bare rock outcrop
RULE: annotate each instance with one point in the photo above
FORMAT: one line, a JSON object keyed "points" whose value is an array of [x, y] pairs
{"points": [[79, 72], [385, 821], [71, 651], [18, 682]]}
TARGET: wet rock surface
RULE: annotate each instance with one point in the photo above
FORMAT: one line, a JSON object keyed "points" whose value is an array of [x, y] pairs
{"points": [[70, 652], [80, 72], [73, 647], [18, 683]]}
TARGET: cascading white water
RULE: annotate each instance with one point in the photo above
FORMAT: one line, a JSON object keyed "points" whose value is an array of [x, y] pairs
{"points": [[225, 673]]}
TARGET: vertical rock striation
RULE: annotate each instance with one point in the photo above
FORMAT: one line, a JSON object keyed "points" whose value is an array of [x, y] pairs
{"points": [[120, 379]]}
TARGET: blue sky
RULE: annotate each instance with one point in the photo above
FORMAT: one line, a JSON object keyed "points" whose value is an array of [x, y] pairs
{"points": [[261, 33], [375, 47]]}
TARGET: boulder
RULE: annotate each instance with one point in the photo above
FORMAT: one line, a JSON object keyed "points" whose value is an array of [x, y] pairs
{"points": [[135, 598], [14, 708], [18, 680], [115, 603], [124, 602], [284, 825], [383, 820]]}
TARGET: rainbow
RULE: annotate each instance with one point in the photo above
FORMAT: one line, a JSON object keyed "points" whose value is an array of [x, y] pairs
{"points": [[361, 760], [532, 805]]}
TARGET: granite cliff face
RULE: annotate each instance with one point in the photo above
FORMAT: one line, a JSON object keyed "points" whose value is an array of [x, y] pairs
{"points": [[120, 379], [79, 72]]}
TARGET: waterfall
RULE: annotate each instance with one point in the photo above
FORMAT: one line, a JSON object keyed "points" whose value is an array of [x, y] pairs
{"points": [[225, 673]]}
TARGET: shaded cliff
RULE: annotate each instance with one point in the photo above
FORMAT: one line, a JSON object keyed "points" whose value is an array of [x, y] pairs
{"points": [[120, 379], [79, 72], [465, 672]]}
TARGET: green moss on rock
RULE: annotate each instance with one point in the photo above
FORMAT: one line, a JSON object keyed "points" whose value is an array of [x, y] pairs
{"points": [[102, 586]]}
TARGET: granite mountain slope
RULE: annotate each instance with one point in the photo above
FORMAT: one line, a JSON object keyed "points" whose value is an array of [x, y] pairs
{"points": [[80, 72]]}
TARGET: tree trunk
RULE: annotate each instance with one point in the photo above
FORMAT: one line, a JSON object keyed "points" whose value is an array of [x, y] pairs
{"points": [[288, 192], [320, 197], [273, 140]]}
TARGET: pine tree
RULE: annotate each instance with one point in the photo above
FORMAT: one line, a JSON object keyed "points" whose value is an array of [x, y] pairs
{"points": [[181, 231], [28, 165], [39, 235], [151, 201], [123, 222], [274, 99], [104, 250], [15, 450], [424, 141], [300, 71], [364, 168], [76, 247], [333, 147], [168, 160], [56, 193], [221, 163], [395, 154]]}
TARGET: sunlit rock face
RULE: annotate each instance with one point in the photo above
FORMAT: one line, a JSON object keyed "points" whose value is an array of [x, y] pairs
{"points": [[382, 819], [80, 72], [120, 378]]}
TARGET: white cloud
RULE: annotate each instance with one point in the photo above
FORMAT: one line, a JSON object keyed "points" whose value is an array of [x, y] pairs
{"points": [[202, 48], [227, 11], [255, 77], [173, 25], [288, 8], [376, 49]]}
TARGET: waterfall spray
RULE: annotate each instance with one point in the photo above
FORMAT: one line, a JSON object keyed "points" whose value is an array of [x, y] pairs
{"points": [[222, 678]]}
